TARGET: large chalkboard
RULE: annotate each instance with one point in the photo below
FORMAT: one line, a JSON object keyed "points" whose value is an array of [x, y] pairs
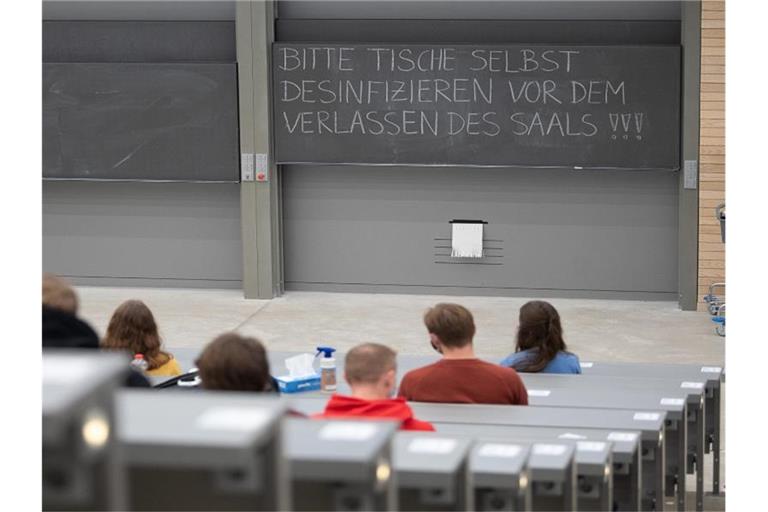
{"points": [[158, 122], [513, 105]]}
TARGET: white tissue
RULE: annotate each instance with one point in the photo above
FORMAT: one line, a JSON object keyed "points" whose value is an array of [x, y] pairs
{"points": [[466, 240], [300, 366]]}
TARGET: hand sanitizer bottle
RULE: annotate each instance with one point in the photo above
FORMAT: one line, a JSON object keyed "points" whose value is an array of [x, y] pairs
{"points": [[327, 369]]}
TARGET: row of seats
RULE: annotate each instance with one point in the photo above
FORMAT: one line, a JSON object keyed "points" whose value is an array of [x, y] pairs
{"points": [[106, 448]]}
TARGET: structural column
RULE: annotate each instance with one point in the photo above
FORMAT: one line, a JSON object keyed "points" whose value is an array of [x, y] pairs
{"points": [[688, 209], [260, 180]]}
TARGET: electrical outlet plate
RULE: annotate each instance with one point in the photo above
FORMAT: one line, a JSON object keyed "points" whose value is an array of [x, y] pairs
{"points": [[262, 167], [246, 167], [690, 174]]}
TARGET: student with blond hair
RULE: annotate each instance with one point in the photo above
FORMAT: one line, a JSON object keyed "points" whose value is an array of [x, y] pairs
{"points": [[133, 328], [370, 370], [460, 377], [59, 294]]}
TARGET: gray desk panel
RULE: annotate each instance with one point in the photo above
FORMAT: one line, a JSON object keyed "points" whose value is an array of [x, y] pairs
{"points": [[498, 464], [331, 450], [74, 380], [498, 472], [651, 425], [713, 374], [69, 375], [202, 428], [663, 370], [623, 445], [674, 405], [428, 459]]}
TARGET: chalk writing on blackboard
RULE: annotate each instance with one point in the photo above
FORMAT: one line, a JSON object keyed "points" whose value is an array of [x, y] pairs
{"points": [[595, 106]]}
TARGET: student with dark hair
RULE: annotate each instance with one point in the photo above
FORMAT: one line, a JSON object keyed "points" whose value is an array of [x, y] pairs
{"points": [[460, 377], [235, 363], [133, 328], [370, 370], [540, 346], [63, 329]]}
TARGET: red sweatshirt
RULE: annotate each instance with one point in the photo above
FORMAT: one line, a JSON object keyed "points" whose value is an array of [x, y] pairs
{"points": [[340, 406]]}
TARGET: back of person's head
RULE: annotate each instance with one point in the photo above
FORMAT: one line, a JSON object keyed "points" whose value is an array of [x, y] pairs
{"points": [[235, 363], [60, 326], [371, 365], [133, 328], [451, 323], [59, 294], [539, 328]]}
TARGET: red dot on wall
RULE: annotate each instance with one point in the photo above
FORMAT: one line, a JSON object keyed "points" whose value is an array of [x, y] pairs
{"points": [[260, 176]]}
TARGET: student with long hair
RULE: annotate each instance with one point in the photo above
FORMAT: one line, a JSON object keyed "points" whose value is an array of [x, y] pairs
{"points": [[540, 346], [133, 328], [62, 328]]}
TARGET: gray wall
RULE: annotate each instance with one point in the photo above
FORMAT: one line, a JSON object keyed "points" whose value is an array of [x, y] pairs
{"points": [[550, 233], [130, 233], [143, 234], [371, 228], [172, 10]]}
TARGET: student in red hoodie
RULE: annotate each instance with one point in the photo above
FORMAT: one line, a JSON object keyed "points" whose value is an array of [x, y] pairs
{"points": [[370, 370]]}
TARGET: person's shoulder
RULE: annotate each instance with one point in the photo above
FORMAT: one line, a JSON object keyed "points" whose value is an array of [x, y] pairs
{"points": [[568, 356], [500, 369], [170, 368], [510, 380], [504, 372], [173, 365], [514, 358], [413, 378], [422, 370], [573, 362]]}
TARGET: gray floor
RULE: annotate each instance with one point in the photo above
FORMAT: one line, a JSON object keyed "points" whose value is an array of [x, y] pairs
{"points": [[594, 329], [599, 330]]}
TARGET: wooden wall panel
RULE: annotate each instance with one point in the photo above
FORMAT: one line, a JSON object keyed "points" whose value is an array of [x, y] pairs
{"points": [[712, 144]]}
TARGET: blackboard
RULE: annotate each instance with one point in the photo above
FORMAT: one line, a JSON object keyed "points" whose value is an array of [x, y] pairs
{"points": [[611, 107], [155, 122]]}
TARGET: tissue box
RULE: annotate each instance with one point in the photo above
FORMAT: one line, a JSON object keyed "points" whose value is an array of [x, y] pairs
{"points": [[288, 384]]}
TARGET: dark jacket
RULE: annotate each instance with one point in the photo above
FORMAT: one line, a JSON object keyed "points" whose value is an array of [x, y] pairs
{"points": [[64, 330]]}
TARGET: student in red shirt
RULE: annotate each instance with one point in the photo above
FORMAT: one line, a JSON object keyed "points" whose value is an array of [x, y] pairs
{"points": [[370, 370], [460, 377]]}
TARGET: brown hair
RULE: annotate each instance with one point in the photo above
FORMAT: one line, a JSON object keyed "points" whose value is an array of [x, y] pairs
{"points": [[539, 329], [235, 363], [59, 294], [452, 323], [366, 363], [133, 327]]}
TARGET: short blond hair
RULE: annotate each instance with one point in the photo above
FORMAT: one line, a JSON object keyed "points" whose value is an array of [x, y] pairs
{"points": [[59, 294], [366, 363]]}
